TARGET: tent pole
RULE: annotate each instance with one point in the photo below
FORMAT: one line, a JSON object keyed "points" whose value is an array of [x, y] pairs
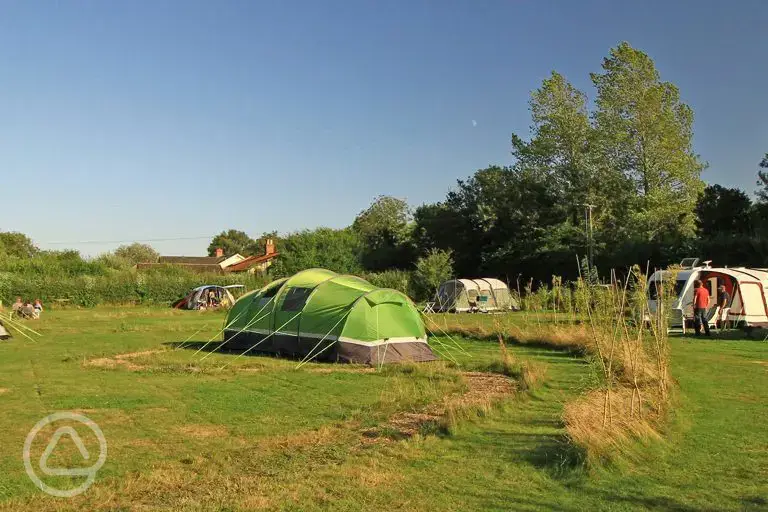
{"points": [[230, 325], [307, 358], [263, 340], [262, 317], [181, 345]]}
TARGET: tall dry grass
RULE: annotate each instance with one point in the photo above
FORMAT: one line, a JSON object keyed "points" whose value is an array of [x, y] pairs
{"points": [[612, 325]]}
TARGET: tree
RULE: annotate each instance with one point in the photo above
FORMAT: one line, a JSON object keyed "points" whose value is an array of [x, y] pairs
{"points": [[385, 232], [17, 244], [762, 180], [137, 253], [432, 270], [498, 219], [560, 153], [233, 242], [334, 249], [560, 142], [644, 132], [722, 210]]}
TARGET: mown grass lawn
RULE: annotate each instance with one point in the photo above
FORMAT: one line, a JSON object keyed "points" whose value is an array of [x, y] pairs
{"points": [[185, 434]]}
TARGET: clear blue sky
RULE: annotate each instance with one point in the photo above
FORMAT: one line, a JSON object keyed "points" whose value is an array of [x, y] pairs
{"points": [[127, 120]]}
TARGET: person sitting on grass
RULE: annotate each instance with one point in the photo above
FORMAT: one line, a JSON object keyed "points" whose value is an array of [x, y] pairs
{"points": [[16, 308], [38, 308], [28, 311], [700, 307]]}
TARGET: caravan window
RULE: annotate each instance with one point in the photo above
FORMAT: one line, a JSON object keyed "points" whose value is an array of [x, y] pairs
{"points": [[653, 288]]}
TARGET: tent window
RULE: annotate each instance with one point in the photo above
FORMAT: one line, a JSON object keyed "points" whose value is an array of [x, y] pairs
{"points": [[296, 298], [271, 292]]}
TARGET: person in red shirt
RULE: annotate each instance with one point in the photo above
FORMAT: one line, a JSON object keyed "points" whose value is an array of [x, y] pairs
{"points": [[700, 307]]}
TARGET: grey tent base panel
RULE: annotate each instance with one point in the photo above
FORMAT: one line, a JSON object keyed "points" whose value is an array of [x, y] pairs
{"points": [[329, 350]]}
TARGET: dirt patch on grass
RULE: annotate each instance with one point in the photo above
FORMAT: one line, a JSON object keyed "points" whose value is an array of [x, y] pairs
{"points": [[111, 364], [343, 370], [4, 391], [486, 385], [121, 361], [132, 355], [482, 391]]}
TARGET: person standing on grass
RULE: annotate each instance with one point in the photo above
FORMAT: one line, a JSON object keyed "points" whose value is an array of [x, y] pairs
{"points": [[723, 301], [700, 307], [723, 297]]}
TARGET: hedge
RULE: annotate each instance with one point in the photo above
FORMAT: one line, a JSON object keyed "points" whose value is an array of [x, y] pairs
{"points": [[115, 287]]}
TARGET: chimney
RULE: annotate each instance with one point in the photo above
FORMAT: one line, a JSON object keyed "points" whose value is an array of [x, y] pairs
{"points": [[270, 247], [219, 252]]}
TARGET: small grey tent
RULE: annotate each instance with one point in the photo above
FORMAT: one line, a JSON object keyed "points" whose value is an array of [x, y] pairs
{"points": [[463, 295]]}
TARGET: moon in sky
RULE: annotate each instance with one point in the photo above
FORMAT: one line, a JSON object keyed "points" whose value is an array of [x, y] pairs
{"points": [[474, 123]]}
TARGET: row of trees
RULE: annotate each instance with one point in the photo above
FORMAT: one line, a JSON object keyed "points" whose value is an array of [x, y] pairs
{"points": [[616, 178], [620, 181]]}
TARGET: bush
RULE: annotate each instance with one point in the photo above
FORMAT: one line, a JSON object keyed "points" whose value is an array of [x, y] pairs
{"points": [[399, 280], [431, 270]]}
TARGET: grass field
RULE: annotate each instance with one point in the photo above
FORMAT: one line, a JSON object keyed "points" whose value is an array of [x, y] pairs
{"points": [[185, 434]]}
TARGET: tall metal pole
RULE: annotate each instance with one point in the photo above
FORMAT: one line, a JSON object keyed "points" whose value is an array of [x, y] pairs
{"points": [[588, 228]]}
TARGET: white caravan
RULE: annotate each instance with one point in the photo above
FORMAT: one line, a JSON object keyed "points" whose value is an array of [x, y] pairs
{"points": [[747, 287]]}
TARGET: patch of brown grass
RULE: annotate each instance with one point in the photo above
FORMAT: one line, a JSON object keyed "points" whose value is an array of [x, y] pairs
{"points": [[623, 426], [305, 439], [203, 431], [112, 364], [373, 475], [121, 361], [573, 336], [342, 369], [481, 392]]}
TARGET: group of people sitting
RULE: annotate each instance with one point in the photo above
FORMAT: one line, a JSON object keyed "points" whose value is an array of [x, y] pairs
{"points": [[27, 309]]}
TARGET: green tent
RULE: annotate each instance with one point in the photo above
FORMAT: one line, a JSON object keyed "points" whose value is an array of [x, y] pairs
{"points": [[324, 315]]}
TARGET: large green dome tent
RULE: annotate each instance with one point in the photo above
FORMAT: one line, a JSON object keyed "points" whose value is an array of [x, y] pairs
{"points": [[323, 315]]}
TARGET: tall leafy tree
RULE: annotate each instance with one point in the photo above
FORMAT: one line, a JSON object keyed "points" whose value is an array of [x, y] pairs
{"points": [[496, 219], [644, 131], [137, 253], [722, 210], [561, 151], [17, 244], [560, 141], [386, 234], [233, 242], [334, 249]]}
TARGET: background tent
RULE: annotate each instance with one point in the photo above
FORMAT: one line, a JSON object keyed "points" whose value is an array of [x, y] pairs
{"points": [[321, 314], [486, 294], [199, 296]]}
